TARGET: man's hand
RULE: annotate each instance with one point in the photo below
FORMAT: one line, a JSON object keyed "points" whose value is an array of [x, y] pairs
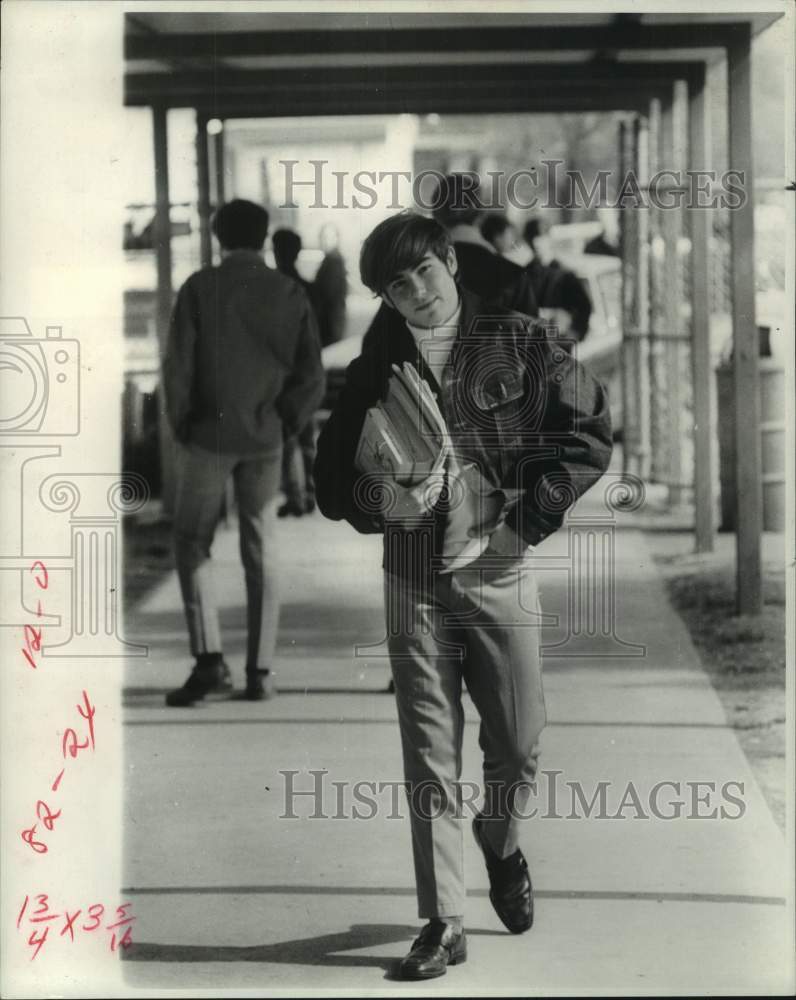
{"points": [[404, 505], [502, 554]]}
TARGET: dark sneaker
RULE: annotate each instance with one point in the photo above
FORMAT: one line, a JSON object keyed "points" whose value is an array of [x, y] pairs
{"points": [[510, 889], [437, 946], [290, 509], [260, 685], [210, 679]]}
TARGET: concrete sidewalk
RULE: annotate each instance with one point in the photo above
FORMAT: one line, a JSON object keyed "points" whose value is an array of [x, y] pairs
{"points": [[231, 895]]}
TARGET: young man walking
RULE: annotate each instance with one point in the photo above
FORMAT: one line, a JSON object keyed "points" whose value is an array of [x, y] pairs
{"points": [[241, 368], [526, 427]]}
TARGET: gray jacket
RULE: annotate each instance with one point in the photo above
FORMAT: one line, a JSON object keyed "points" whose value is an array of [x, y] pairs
{"points": [[242, 358]]}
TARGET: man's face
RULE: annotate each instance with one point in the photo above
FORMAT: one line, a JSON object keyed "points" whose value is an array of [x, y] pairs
{"points": [[425, 295]]}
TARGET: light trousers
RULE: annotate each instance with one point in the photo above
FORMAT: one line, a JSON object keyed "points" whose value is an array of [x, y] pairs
{"points": [[201, 481], [484, 631]]}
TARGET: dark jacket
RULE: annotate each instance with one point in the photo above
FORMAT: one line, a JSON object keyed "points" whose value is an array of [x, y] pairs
{"points": [[328, 294], [495, 279], [242, 357], [527, 414], [556, 287]]}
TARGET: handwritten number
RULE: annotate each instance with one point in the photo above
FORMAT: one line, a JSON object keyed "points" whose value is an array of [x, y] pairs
{"points": [[88, 715], [49, 817], [28, 837], [43, 577], [33, 635], [38, 941], [95, 916], [125, 941], [32, 638], [71, 743]]}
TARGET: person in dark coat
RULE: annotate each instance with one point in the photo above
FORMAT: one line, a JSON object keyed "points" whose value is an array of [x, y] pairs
{"points": [[330, 289], [481, 268], [527, 426], [561, 294], [241, 370], [298, 455]]}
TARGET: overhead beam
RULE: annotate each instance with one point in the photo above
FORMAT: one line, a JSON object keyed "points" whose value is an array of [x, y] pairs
{"points": [[185, 88], [427, 103], [530, 38]]}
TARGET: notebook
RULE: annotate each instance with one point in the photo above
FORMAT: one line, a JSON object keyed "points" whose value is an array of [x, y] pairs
{"points": [[404, 435]]}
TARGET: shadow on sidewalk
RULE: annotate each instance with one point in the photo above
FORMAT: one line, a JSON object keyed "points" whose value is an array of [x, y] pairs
{"points": [[321, 950]]}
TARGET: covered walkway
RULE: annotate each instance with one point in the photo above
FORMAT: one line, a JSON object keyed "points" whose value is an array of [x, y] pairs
{"points": [[652, 65], [230, 894]]}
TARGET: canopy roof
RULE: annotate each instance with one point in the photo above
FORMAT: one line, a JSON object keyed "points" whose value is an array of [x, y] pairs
{"points": [[275, 64]]}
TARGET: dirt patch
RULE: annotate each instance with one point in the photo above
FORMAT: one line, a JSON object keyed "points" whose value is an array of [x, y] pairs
{"points": [[744, 657]]}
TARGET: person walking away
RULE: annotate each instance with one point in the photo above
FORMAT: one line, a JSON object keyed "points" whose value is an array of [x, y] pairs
{"points": [[241, 367]]}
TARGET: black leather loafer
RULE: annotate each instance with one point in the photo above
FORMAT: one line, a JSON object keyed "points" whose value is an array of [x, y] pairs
{"points": [[437, 946], [210, 679], [510, 889]]}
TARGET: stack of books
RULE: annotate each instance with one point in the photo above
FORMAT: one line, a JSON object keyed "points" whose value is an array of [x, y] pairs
{"points": [[404, 436]]}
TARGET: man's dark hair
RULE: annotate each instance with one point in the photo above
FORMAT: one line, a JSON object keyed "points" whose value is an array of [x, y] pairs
{"points": [[241, 225], [494, 226], [534, 228], [456, 200], [287, 246], [397, 244]]}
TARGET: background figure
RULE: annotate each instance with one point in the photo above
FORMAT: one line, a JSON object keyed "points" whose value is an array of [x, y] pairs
{"points": [[287, 245], [242, 362], [605, 242], [298, 455], [481, 269], [499, 233], [330, 288], [561, 295]]}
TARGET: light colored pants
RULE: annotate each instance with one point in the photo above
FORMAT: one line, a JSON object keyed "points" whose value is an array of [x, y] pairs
{"points": [[201, 480], [487, 634]]}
